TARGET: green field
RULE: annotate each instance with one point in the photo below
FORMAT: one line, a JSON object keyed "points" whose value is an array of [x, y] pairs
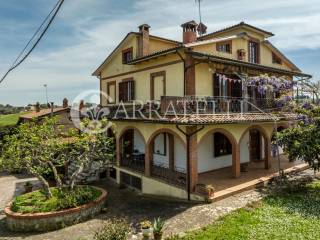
{"points": [[294, 215], [9, 120]]}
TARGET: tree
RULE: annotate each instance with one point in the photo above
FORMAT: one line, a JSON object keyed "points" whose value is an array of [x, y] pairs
{"points": [[303, 141], [40, 147]]}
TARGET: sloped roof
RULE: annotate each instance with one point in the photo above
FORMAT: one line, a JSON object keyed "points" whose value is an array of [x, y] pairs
{"points": [[220, 59], [43, 113], [241, 24], [98, 70]]}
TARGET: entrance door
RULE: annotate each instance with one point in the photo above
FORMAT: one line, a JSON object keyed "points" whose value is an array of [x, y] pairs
{"points": [[255, 145]]}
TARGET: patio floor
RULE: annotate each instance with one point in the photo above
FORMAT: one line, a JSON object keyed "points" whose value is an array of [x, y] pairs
{"points": [[225, 185]]}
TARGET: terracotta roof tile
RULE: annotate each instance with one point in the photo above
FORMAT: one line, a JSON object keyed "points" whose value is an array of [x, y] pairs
{"points": [[42, 113]]}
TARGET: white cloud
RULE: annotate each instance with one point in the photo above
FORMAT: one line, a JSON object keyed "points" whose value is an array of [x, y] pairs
{"points": [[98, 26]]}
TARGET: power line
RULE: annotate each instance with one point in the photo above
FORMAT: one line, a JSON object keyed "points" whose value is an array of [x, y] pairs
{"points": [[17, 62]]}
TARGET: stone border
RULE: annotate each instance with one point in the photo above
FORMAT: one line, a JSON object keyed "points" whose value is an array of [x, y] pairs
{"points": [[41, 222]]}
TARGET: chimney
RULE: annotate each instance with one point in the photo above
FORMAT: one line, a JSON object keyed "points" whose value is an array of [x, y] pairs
{"points": [[37, 107], [189, 32], [143, 40], [65, 103]]}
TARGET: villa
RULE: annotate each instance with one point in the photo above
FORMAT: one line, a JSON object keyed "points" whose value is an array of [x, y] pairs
{"points": [[199, 122]]}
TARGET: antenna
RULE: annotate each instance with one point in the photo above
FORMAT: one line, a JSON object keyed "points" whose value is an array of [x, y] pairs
{"points": [[199, 4], [202, 29]]}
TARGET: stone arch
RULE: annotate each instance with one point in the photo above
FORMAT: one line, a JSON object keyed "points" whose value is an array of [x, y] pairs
{"points": [[267, 143], [235, 148]]}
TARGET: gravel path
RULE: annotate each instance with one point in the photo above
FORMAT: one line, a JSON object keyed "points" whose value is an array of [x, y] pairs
{"points": [[180, 217]]}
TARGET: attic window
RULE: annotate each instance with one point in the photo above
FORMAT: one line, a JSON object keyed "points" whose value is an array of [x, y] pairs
{"points": [[276, 59], [127, 55], [224, 47]]}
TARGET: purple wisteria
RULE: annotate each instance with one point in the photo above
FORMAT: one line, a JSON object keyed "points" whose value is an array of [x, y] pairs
{"points": [[266, 83]]}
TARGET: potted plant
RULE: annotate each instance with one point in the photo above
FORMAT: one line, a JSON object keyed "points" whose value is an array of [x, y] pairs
{"points": [[146, 228], [28, 187], [158, 228]]}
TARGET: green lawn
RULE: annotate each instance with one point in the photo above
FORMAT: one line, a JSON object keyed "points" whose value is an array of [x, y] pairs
{"points": [[284, 216], [9, 120]]}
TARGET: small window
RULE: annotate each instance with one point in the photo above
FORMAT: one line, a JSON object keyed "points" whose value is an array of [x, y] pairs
{"points": [[127, 55], [224, 47], [160, 144], [126, 91], [276, 59], [130, 180], [222, 145], [254, 52]]}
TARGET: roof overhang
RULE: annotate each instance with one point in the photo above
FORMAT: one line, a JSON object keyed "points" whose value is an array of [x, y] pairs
{"points": [[213, 58]]}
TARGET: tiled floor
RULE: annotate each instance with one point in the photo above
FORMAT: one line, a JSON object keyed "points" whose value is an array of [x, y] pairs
{"points": [[222, 179]]}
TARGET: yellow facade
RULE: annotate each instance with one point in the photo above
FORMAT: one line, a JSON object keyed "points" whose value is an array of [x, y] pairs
{"points": [[114, 71]]}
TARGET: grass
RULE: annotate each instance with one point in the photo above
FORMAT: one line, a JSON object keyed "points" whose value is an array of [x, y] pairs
{"points": [[36, 202], [289, 215], [10, 119]]}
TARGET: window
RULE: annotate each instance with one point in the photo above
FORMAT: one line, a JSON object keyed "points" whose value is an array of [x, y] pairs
{"points": [[224, 47], [276, 59], [223, 88], [254, 52], [130, 180], [222, 145], [127, 55], [126, 90], [111, 91], [160, 144]]}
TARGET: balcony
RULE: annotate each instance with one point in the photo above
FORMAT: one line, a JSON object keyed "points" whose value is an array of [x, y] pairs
{"points": [[215, 105], [135, 162]]}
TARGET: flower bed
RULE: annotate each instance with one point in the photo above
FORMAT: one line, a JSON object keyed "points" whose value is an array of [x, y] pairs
{"points": [[35, 221]]}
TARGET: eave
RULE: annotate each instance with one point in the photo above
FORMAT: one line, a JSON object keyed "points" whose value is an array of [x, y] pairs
{"points": [[213, 58]]}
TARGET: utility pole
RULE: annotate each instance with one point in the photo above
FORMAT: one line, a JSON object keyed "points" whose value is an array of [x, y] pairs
{"points": [[46, 88]]}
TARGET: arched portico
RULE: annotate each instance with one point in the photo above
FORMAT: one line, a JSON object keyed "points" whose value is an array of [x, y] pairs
{"points": [[255, 145], [218, 149], [166, 156], [131, 149]]}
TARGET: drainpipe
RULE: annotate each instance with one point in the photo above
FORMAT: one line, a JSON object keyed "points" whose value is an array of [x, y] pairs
{"points": [[188, 137]]}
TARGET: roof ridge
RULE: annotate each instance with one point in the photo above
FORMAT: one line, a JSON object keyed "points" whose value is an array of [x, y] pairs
{"points": [[235, 26]]}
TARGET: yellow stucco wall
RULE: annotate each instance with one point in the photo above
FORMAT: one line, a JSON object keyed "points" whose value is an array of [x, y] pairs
{"points": [[174, 78], [159, 45], [242, 43]]}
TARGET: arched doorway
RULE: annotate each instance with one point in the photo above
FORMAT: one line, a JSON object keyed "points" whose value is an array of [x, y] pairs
{"points": [[132, 150], [217, 149], [255, 146], [167, 157]]}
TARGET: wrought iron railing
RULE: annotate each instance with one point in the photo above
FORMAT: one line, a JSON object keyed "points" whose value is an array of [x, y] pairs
{"points": [[133, 161], [215, 105], [174, 176]]}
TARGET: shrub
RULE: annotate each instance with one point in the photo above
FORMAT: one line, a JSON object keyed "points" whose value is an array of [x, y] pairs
{"points": [[114, 229], [36, 201]]}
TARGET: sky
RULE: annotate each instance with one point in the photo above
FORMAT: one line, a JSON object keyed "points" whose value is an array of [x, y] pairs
{"points": [[86, 31]]}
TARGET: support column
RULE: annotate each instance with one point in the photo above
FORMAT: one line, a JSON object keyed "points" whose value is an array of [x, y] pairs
{"points": [[148, 158], [193, 154], [118, 151], [171, 151], [236, 160], [267, 153]]}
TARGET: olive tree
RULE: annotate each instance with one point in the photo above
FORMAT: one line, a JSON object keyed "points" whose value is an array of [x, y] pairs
{"points": [[39, 148]]}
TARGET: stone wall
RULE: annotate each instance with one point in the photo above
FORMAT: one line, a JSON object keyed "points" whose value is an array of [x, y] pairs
{"points": [[43, 222]]}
